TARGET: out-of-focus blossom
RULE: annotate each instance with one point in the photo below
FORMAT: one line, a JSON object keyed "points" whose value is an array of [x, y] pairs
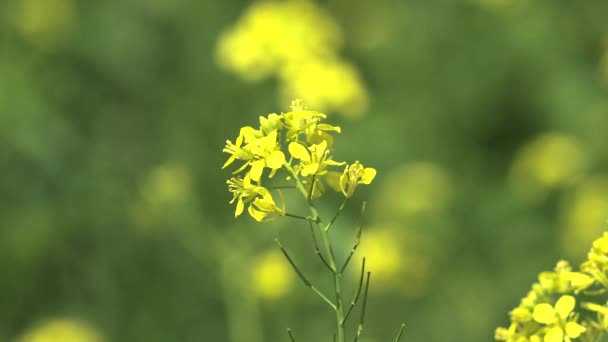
{"points": [[415, 188], [272, 276], [585, 214], [273, 34], [327, 84], [547, 162], [61, 330], [43, 21]]}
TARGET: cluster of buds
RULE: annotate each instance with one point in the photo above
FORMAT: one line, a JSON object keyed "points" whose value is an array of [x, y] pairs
{"points": [[549, 312], [298, 143]]}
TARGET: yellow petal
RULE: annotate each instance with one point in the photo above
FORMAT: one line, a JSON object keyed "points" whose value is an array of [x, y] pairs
{"points": [[275, 160], [229, 161], [564, 305], [368, 175], [555, 334], [574, 329], [332, 178], [256, 170], [544, 313], [299, 152], [239, 207], [333, 162], [310, 169], [256, 214]]}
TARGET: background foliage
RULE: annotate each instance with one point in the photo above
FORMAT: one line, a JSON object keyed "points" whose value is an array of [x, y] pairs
{"points": [[486, 121]]}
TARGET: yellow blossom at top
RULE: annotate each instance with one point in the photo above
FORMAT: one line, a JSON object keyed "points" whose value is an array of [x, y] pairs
{"points": [[272, 276], [272, 34], [43, 21], [549, 161], [61, 330]]}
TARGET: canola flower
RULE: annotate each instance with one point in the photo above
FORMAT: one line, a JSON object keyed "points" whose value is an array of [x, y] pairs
{"points": [[294, 151], [272, 277], [550, 313], [298, 143], [61, 330], [297, 42], [548, 162]]}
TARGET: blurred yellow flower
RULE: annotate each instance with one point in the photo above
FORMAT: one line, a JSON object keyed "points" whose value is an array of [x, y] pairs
{"points": [[297, 41], [604, 61], [166, 184], [44, 20], [547, 162], [328, 84], [412, 189], [272, 34], [272, 275], [61, 330], [162, 190], [585, 215], [395, 259]]}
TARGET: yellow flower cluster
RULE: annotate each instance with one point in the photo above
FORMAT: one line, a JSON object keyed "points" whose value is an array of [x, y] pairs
{"points": [[298, 42], [61, 330], [308, 140], [548, 313]]}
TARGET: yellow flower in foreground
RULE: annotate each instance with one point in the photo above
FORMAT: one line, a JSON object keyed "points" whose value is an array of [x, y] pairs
{"points": [[562, 325], [259, 199], [272, 276], [257, 152], [314, 159], [61, 330], [355, 174]]}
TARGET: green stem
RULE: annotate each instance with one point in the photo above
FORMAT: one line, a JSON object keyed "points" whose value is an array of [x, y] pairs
{"points": [[339, 309]]}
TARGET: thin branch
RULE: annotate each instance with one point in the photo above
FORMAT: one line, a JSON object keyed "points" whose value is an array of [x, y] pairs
{"points": [[290, 335], [398, 338], [304, 279], [357, 239], [312, 188], [305, 218], [361, 321], [274, 187], [355, 299], [317, 250], [333, 219]]}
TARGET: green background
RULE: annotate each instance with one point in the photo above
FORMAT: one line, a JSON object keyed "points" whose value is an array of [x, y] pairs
{"points": [[89, 113]]}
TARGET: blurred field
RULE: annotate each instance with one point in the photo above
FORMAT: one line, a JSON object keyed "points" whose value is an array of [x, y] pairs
{"points": [[486, 120]]}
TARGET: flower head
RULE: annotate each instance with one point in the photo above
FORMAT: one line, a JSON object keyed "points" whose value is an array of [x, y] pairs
{"points": [[562, 326], [354, 175]]}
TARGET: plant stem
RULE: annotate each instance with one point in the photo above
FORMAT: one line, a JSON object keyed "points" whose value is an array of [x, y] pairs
{"points": [[339, 309]]}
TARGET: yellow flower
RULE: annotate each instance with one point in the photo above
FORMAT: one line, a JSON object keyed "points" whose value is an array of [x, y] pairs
{"points": [[262, 207], [272, 276], [328, 84], [547, 162], [314, 159], [307, 123], [355, 174], [562, 325], [61, 330], [258, 152]]}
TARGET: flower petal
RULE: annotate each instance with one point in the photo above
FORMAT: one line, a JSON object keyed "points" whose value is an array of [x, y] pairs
{"points": [[239, 207], [256, 214], [574, 329], [554, 334], [256, 170], [309, 169], [368, 175], [544, 313], [275, 160], [564, 305], [299, 152]]}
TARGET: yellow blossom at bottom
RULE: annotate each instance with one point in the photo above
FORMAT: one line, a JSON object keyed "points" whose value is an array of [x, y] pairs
{"points": [[61, 330], [272, 275]]}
